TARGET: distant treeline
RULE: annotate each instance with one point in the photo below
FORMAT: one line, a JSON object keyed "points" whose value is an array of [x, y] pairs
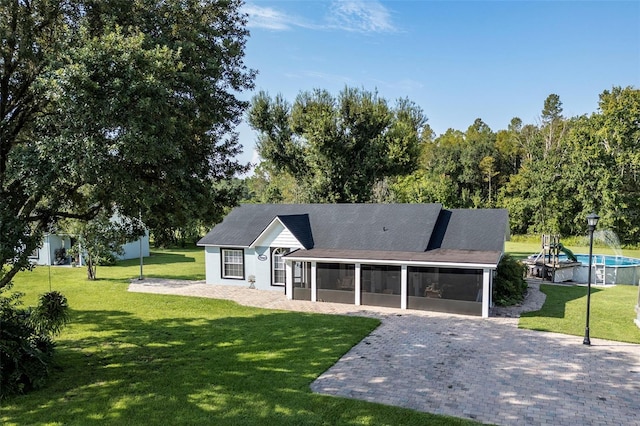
{"points": [[357, 147]]}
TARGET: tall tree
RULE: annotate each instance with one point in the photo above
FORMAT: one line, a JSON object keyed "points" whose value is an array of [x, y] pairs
{"points": [[553, 123], [552, 109], [337, 148], [605, 163], [109, 104], [539, 196], [489, 172], [479, 144], [456, 158], [510, 146]]}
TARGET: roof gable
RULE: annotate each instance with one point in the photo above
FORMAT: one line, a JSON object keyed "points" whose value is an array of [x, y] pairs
{"points": [[300, 227], [286, 231]]}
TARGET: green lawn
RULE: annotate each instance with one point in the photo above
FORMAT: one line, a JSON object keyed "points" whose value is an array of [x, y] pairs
{"points": [[185, 264], [564, 311], [132, 358]]}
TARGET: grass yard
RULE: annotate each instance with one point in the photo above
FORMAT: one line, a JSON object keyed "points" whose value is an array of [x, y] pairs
{"points": [[132, 358], [565, 310], [183, 264]]}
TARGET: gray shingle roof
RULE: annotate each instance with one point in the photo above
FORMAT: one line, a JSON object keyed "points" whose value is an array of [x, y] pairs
{"points": [[471, 229], [372, 227], [392, 227]]}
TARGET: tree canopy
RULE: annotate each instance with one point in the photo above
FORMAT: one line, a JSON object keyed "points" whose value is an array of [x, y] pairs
{"points": [[336, 148], [581, 164], [549, 174], [116, 104]]}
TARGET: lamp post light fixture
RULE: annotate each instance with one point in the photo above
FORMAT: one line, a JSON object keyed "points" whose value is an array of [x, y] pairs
{"points": [[141, 261], [140, 246], [592, 222]]}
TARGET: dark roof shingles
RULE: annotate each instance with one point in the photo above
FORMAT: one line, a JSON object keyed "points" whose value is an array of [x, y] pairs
{"points": [[475, 229], [369, 227], [395, 227]]}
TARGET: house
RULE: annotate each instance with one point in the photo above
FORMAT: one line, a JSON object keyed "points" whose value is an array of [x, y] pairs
{"points": [[51, 253], [408, 256], [53, 250]]}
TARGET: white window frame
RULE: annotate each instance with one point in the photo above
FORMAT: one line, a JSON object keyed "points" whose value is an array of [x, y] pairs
{"points": [[276, 254], [224, 263]]}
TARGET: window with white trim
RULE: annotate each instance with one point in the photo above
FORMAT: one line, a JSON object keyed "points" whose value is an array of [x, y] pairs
{"points": [[232, 263], [278, 270]]}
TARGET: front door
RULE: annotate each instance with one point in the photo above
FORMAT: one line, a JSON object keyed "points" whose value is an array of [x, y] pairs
{"points": [[302, 280]]}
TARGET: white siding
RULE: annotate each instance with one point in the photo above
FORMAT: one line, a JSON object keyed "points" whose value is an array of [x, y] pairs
{"points": [[213, 268], [46, 253], [257, 258], [132, 248], [276, 235], [286, 239], [212, 264]]}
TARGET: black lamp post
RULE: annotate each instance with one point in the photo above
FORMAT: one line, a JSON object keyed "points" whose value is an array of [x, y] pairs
{"points": [[592, 222], [140, 246]]}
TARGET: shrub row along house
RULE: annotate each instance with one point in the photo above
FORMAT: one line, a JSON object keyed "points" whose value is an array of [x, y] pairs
{"points": [[408, 256]]}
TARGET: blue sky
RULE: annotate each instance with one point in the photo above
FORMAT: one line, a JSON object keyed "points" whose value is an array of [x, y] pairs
{"points": [[458, 60]]}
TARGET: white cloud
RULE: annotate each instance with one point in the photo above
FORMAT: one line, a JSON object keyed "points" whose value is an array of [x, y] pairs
{"points": [[273, 19], [266, 17], [361, 16]]}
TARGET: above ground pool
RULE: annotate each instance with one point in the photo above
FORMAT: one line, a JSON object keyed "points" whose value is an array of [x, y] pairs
{"points": [[607, 260], [607, 269]]}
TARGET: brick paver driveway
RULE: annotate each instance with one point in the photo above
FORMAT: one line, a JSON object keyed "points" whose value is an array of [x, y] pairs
{"points": [[483, 369]]}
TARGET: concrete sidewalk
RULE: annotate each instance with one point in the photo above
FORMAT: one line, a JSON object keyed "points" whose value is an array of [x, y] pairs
{"points": [[469, 367]]}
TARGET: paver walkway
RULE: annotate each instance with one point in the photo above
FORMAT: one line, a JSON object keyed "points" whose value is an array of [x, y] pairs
{"points": [[482, 369]]}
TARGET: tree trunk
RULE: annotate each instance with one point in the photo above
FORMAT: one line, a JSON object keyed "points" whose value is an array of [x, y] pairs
{"points": [[91, 269]]}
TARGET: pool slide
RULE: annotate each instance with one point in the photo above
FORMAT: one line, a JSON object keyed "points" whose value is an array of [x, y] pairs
{"points": [[569, 253]]}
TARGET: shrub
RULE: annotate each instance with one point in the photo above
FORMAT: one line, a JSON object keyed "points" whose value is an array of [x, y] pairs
{"points": [[26, 345], [509, 286]]}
